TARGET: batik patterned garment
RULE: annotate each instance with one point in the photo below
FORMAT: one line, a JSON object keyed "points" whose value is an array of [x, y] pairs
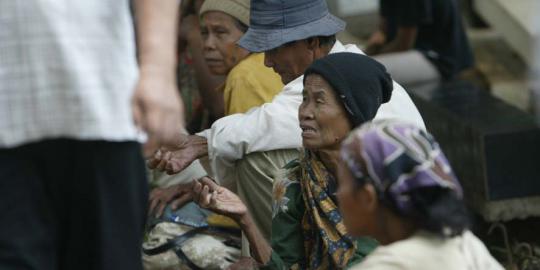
{"points": [[326, 241], [307, 230]]}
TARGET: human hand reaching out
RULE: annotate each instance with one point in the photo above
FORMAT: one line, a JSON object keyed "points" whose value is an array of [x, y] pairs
{"points": [[178, 157], [216, 198]]}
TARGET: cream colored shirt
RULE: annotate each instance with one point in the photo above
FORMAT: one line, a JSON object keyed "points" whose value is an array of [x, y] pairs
{"points": [[425, 251]]}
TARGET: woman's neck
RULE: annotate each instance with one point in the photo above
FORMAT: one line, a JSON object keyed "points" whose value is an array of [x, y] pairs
{"points": [[330, 159], [393, 228]]}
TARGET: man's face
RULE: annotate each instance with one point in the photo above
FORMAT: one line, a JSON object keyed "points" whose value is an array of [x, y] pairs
{"points": [[289, 60]]}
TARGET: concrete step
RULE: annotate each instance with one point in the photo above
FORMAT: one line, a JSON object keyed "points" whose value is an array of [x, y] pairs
{"points": [[515, 20], [503, 67]]}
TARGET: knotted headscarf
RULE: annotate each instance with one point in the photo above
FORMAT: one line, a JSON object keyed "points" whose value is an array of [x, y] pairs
{"points": [[399, 159]]}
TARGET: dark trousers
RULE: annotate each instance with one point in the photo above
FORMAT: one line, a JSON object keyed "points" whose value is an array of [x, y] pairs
{"points": [[68, 204]]}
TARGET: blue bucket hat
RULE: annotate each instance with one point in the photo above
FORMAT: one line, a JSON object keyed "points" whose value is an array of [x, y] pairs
{"points": [[277, 22]]}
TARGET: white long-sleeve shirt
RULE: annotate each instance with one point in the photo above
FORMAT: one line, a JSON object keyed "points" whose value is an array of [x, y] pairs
{"points": [[275, 125]]}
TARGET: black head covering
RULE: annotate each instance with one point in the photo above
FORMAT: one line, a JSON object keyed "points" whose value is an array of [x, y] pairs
{"points": [[360, 82]]}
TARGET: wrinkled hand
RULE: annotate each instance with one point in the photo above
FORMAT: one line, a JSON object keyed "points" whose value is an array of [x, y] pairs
{"points": [[214, 197], [174, 159], [176, 195], [157, 108]]}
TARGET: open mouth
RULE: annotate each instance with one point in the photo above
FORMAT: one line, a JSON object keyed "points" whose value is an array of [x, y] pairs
{"points": [[306, 130]]}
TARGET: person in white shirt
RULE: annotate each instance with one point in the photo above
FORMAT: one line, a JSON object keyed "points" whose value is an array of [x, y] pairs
{"points": [[247, 151], [73, 108], [396, 185]]}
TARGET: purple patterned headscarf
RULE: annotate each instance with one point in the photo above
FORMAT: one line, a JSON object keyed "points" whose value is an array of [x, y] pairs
{"points": [[399, 158]]}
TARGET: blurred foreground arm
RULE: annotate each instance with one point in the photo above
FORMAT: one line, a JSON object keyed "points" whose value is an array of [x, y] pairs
{"points": [[157, 106]]}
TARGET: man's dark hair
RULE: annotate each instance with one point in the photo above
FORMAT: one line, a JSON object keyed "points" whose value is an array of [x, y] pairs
{"points": [[325, 40]]}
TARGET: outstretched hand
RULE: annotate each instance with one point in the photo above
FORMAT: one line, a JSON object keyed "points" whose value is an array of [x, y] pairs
{"points": [[173, 160], [214, 197]]}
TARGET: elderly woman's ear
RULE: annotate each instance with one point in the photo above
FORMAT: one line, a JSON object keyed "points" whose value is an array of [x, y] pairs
{"points": [[371, 199], [367, 197], [360, 206]]}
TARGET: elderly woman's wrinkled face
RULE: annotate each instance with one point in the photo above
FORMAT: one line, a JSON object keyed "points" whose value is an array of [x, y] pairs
{"points": [[220, 33], [323, 119]]}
